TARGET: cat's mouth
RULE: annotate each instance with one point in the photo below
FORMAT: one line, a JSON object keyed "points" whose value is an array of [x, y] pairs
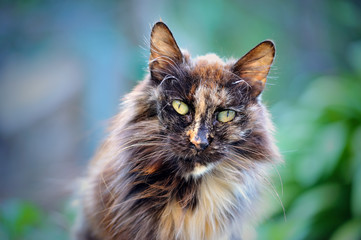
{"points": [[200, 169], [199, 163]]}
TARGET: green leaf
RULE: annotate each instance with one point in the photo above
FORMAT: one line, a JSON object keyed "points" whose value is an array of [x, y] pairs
{"points": [[356, 193], [315, 201], [19, 216], [324, 153], [323, 92], [283, 230], [351, 230]]}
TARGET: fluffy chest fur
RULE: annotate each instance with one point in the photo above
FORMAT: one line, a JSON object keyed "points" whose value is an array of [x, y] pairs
{"points": [[223, 205]]}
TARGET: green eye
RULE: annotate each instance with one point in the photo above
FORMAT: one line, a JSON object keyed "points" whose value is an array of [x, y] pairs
{"points": [[180, 107], [226, 116]]}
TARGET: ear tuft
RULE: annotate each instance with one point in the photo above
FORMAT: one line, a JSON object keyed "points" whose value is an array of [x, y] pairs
{"points": [[164, 51], [255, 65]]}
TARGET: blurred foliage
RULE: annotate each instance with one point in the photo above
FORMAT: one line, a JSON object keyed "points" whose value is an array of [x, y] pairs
{"points": [[321, 139], [22, 220]]}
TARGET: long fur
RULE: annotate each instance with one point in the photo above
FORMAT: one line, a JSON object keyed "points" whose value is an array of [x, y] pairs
{"points": [[148, 182]]}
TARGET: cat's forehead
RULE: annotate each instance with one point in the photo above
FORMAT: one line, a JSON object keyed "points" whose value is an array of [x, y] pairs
{"points": [[210, 97], [211, 74], [209, 58], [210, 70]]}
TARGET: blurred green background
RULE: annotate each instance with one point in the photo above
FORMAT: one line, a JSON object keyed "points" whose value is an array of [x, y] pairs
{"points": [[65, 64]]}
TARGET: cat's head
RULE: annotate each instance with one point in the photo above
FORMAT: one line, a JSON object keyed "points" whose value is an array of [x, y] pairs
{"points": [[210, 110]]}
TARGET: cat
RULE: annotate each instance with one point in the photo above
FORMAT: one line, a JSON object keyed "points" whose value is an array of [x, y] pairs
{"points": [[188, 153]]}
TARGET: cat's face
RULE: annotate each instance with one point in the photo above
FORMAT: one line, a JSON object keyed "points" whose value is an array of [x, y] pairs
{"points": [[193, 107], [207, 108]]}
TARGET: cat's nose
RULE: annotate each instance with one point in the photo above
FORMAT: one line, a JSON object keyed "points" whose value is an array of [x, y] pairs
{"points": [[203, 145], [200, 140]]}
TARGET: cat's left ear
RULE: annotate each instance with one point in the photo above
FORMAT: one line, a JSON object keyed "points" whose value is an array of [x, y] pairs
{"points": [[164, 51], [255, 65]]}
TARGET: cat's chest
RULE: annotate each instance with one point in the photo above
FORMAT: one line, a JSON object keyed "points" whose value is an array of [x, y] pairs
{"points": [[217, 208]]}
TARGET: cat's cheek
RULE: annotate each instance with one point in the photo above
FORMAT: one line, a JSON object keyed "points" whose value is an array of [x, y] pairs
{"points": [[174, 124], [188, 118], [237, 133], [227, 133]]}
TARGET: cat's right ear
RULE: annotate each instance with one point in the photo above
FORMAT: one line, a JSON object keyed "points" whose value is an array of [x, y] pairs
{"points": [[165, 54]]}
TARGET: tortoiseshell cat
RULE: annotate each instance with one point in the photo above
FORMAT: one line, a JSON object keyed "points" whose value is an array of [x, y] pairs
{"points": [[187, 154]]}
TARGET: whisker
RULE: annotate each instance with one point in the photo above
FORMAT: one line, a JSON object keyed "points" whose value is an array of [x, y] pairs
{"points": [[277, 196]]}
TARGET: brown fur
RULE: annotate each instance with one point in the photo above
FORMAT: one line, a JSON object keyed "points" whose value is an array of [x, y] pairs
{"points": [[150, 180]]}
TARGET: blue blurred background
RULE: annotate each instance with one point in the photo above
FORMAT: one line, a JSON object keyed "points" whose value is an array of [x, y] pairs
{"points": [[64, 65]]}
